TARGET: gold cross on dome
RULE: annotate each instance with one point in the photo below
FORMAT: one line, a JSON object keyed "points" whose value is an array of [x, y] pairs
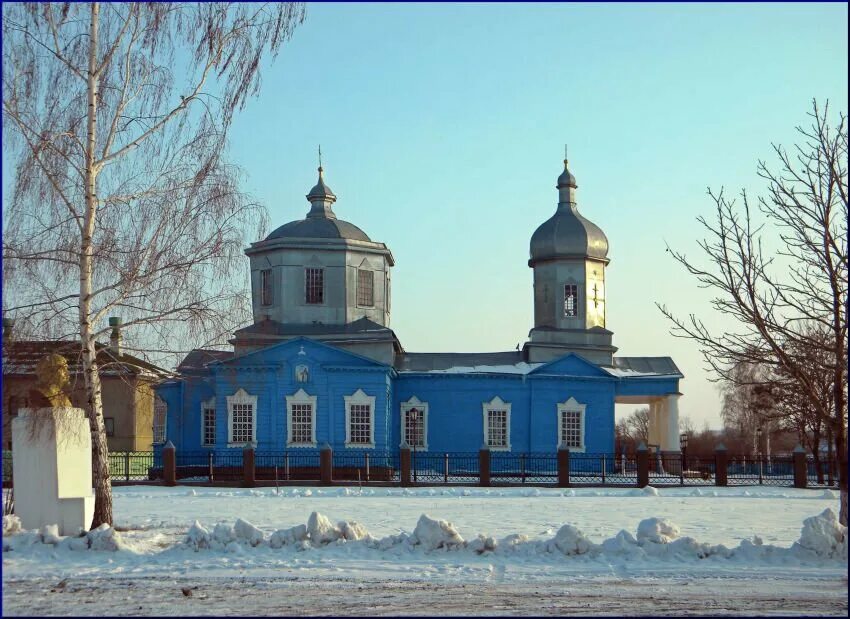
{"points": [[595, 299]]}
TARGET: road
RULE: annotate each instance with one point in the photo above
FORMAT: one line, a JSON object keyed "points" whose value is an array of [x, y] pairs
{"points": [[292, 596]]}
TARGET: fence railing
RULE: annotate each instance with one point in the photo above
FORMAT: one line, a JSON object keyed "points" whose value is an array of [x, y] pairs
{"points": [[432, 468]]}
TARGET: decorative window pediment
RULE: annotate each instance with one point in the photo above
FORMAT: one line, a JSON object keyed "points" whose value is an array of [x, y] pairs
{"points": [[301, 419], [414, 423], [571, 425], [497, 424], [360, 420], [241, 419]]}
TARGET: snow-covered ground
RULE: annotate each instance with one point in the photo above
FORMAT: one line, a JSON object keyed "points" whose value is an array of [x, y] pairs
{"points": [[744, 548]]}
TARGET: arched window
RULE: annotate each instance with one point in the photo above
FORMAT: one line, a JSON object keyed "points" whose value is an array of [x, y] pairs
{"points": [[359, 420], [571, 425], [241, 419], [414, 423], [497, 424]]}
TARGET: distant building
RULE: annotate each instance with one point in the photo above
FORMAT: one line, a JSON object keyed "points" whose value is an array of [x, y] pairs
{"points": [[321, 365], [127, 388]]}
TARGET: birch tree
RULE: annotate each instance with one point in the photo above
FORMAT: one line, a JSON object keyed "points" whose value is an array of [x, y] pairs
{"points": [[116, 118], [778, 275]]}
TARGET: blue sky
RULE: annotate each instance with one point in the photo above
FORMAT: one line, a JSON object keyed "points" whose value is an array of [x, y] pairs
{"points": [[442, 128]]}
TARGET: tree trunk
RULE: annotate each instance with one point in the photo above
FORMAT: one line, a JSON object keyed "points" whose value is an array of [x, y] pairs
{"points": [[100, 456]]}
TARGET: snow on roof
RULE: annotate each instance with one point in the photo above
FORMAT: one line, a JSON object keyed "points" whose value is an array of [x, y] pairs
{"points": [[518, 368]]}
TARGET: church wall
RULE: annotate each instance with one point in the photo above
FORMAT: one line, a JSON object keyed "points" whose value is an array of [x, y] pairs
{"points": [[455, 412], [378, 265]]}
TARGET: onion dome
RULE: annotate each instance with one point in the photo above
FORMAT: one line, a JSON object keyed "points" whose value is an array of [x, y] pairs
{"points": [[567, 234]]}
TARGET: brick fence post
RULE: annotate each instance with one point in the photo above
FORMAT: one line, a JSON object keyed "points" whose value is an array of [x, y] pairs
{"points": [[642, 456], [249, 473], [721, 466], [484, 466], [404, 464], [800, 465], [563, 466], [169, 464], [326, 464]]}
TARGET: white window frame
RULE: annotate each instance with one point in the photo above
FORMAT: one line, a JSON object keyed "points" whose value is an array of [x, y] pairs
{"points": [[415, 402], [205, 406], [159, 403], [574, 406], [497, 404], [577, 297], [300, 397], [360, 397], [241, 397]]}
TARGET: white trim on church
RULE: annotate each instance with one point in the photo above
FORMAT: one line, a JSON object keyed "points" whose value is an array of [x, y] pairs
{"points": [[241, 399], [300, 398], [354, 436]]}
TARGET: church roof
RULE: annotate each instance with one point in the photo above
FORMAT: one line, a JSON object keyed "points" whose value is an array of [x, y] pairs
{"points": [[567, 234], [273, 327], [198, 359], [319, 228], [644, 366], [460, 362], [321, 221]]}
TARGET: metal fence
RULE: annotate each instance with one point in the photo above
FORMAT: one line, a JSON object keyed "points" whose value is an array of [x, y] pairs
{"points": [[7, 467], [428, 467], [594, 469], [130, 466], [764, 470], [365, 466], [533, 468]]}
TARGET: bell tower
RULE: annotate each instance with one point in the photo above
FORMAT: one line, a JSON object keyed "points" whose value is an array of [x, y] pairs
{"points": [[569, 254]]}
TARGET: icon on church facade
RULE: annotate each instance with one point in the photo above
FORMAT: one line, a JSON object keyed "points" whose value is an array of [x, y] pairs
{"points": [[302, 373]]}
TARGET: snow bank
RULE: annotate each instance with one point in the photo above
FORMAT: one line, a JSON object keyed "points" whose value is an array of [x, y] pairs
{"points": [[288, 537], [571, 541], [657, 530], [11, 524], [824, 536], [433, 534], [321, 530]]}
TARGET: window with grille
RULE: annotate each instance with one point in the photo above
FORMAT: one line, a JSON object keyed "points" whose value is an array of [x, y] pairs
{"points": [[301, 423], [160, 411], [570, 300], [242, 423], [497, 428], [209, 425], [360, 418], [266, 286], [365, 288], [109, 425], [571, 434], [314, 280], [414, 427]]}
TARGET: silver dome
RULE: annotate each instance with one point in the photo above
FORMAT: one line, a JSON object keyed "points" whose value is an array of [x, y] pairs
{"points": [[567, 234]]}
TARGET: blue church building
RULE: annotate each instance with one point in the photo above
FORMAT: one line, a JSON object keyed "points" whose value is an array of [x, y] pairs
{"points": [[320, 364]]}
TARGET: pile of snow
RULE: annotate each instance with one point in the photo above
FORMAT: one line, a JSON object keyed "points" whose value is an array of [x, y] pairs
{"points": [[288, 537], [824, 536], [103, 538], [321, 530], [432, 534], [571, 541], [657, 530], [11, 525]]}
